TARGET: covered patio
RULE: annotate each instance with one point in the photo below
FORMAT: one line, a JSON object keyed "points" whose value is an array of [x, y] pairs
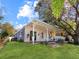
{"points": [[39, 31]]}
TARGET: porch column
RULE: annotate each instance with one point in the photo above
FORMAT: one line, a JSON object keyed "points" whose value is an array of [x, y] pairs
{"points": [[47, 35], [33, 34]]}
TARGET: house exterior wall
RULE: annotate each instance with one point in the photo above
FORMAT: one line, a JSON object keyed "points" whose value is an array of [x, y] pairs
{"points": [[41, 34], [38, 30], [20, 34], [27, 35]]}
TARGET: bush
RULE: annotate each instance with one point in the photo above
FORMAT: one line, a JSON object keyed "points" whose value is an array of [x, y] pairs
{"points": [[60, 41], [45, 42], [21, 40], [14, 39]]}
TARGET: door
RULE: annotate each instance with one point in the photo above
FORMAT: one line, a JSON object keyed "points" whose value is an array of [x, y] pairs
{"points": [[31, 34]]}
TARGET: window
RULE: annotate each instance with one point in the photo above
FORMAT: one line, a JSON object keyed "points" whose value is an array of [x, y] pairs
{"points": [[42, 35], [28, 35]]}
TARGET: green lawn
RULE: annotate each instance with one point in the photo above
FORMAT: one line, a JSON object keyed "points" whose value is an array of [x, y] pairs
{"points": [[16, 50]]}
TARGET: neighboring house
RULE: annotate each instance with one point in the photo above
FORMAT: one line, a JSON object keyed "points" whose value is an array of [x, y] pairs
{"points": [[36, 31]]}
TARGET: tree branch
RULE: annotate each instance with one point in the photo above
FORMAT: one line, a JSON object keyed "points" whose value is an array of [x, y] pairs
{"points": [[68, 25], [63, 27]]}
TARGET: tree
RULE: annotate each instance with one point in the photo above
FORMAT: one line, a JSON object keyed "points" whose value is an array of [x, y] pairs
{"points": [[44, 10], [8, 28], [56, 12], [1, 18], [57, 8], [3, 34]]}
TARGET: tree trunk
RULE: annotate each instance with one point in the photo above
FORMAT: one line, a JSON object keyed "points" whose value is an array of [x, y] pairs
{"points": [[76, 39]]}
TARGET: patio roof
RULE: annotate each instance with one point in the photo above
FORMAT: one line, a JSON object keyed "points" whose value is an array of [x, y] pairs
{"points": [[42, 24]]}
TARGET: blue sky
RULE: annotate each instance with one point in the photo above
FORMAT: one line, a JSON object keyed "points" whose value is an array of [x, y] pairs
{"points": [[19, 12]]}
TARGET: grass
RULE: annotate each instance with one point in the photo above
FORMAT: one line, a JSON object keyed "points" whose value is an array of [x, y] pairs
{"points": [[17, 50]]}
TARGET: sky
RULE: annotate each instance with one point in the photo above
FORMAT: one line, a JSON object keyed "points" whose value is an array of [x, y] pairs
{"points": [[19, 12]]}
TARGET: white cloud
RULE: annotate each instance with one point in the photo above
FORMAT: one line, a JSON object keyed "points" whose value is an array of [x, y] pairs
{"points": [[28, 11], [25, 11], [35, 3], [29, 3]]}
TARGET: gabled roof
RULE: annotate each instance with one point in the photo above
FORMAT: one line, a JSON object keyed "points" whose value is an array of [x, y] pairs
{"points": [[41, 23]]}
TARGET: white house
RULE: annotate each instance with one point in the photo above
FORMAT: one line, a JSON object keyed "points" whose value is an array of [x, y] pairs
{"points": [[36, 31]]}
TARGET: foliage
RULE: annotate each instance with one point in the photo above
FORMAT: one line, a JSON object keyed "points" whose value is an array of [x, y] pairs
{"points": [[9, 28], [3, 34], [75, 30], [73, 2], [57, 7], [72, 24], [47, 15]]}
